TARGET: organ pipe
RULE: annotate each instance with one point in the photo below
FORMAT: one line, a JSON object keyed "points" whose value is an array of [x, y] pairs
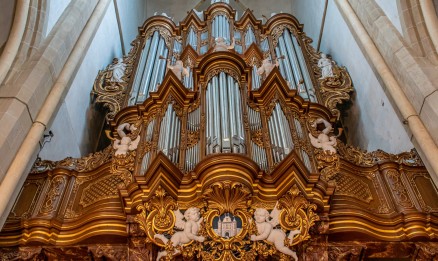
{"points": [[170, 132], [224, 131]]}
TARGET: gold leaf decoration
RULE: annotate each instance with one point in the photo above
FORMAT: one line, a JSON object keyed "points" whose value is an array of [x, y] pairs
{"points": [[298, 213], [227, 196]]}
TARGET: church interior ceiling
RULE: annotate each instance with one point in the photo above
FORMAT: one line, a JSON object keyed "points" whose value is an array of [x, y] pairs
{"points": [[225, 145]]}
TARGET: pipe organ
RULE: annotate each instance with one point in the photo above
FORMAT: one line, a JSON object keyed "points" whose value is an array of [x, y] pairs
{"points": [[224, 120], [223, 97]]}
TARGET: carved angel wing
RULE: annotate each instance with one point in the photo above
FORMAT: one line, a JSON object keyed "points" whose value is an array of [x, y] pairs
{"points": [[315, 142], [275, 216], [179, 219], [133, 145]]}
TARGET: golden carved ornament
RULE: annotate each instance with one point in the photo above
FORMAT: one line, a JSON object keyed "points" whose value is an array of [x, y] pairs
{"points": [[335, 90], [123, 167], [156, 215], [52, 197], [233, 198], [257, 137], [351, 186], [105, 187], [111, 94], [328, 164], [399, 189], [84, 164], [192, 138], [227, 196], [163, 31], [298, 213], [368, 159], [233, 73], [278, 31]]}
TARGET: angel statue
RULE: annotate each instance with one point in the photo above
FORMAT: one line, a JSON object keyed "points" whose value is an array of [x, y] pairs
{"points": [[118, 70], [326, 66], [266, 231], [323, 141], [178, 69], [221, 45], [267, 67], [122, 146], [190, 229]]}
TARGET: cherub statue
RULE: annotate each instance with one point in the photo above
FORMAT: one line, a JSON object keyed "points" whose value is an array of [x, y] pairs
{"points": [[266, 231], [122, 146], [190, 230], [323, 141], [221, 45], [326, 66], [178, 69], [118, 70], [267, 67]]}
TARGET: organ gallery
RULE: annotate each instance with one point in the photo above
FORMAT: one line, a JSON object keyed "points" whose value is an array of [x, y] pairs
{"points": [[226, 144]]}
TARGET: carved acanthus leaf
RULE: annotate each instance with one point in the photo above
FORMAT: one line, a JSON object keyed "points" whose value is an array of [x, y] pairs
{"points": [[297, 213]]}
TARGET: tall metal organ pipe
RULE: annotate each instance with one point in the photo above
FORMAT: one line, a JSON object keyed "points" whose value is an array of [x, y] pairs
{"points": [[224, 128], [151, 70], [221, 27]]}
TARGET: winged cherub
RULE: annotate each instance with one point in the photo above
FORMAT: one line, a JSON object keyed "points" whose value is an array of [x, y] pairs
{"points": [[122, 146], [267, 67], [266, 231], [323, 141], [190, 230], [221, 45], [178, 69]]}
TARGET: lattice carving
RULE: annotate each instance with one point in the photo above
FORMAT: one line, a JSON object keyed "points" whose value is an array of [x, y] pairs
{"points": [[348, 185], [102, 188]]}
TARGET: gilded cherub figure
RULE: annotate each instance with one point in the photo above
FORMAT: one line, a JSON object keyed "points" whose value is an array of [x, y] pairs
{"points": [[190, 230], [323, 141], [122, 146], [266, 231]]}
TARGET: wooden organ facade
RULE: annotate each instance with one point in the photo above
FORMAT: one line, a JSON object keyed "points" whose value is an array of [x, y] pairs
{"points": [[204, 118]]}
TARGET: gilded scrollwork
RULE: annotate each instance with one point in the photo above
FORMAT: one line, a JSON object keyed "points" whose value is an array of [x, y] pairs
{"points": [[298, 214], [368, 159], [84, 164], [163, 31], [52, 197], [233, 73], [156, 215], [257, 137], [328, 164], [398, 188], [335, 90], [192, 138]]}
